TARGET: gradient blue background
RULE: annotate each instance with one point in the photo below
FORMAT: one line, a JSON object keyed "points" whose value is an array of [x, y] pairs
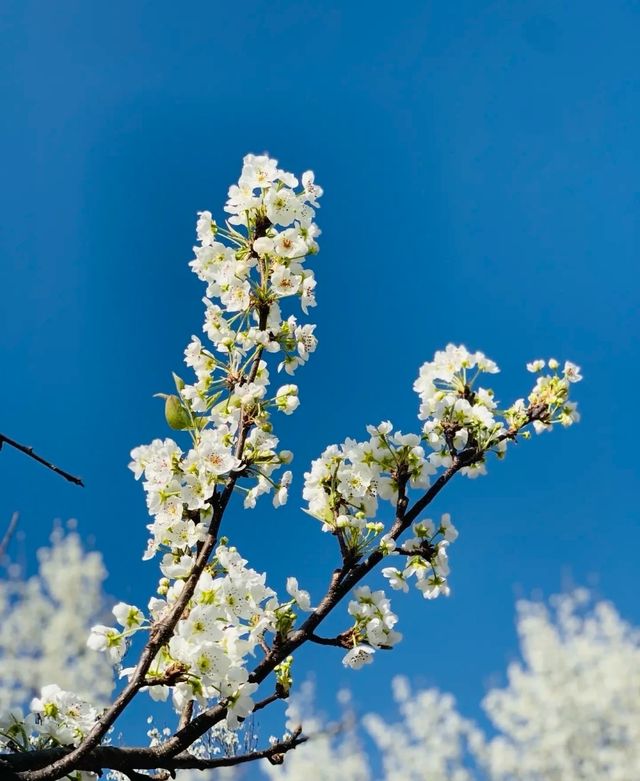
{"points": [[480, 162]]}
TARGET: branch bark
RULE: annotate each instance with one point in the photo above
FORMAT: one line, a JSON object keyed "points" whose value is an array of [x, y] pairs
{"points": [[127, 760]]}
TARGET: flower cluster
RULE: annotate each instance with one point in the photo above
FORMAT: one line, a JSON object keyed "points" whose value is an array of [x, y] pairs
{"points": [[62, 716], [570, 708], [457, 414], [462, 420], [227, 617], [430, 741], [426, 558], [461, 424], [250, 267], [346, 482], [112, 641], [373, 627], [551, 396]]}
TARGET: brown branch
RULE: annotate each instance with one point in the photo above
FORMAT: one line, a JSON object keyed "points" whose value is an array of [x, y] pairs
{"points": [[338, 641], [128, 760], [187, 713], [133, 775], [267, 701], [28, 451]]}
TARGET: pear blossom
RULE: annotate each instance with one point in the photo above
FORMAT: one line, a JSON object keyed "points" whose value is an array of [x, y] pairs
{"points": [[301, 597], [109, 640], [63, 716], [358, 656], [215, 628]]}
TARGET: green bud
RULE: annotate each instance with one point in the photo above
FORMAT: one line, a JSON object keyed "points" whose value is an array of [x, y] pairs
{"points": [[175, 414]]}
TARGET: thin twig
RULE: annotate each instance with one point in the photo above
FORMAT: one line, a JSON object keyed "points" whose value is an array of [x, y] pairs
{"points": [[4, 544], [29, 451], [337, 641], [267, 701]]}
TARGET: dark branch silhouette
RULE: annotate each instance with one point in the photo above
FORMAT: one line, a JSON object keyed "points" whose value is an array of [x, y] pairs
{"points": [[28, 451]]}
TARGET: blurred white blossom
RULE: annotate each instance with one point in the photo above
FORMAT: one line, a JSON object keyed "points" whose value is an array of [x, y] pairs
{"points": [[44, 623]]}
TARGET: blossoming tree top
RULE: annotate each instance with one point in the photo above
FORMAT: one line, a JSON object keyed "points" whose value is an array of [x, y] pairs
{"points": [[215, 632]]}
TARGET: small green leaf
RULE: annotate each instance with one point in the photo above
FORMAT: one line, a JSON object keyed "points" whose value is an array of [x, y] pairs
{"points": [[178, 381], [176, 415]]}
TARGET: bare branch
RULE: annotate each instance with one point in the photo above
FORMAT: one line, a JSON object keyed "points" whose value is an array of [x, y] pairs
{"points": [[277, 695], [28, 451], [340, 641]]}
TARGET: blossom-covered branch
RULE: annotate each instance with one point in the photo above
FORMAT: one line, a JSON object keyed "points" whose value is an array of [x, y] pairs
{"points": [[213, 613]]}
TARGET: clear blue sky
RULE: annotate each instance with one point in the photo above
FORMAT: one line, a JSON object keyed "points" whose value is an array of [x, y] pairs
{"points": [[480, 165]]}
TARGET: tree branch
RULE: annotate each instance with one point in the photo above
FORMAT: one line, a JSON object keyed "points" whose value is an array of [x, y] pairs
{"points": [[128, 760], [338, 641], [187, 713], [28, 451], [171, 754], [268, 700]]}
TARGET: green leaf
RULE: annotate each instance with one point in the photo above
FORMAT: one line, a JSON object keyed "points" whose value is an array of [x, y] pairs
{"points": [[176, 415], [178, 381]]}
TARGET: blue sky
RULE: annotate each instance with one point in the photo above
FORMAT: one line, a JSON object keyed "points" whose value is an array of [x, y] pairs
{"points": [[481, 173]]}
